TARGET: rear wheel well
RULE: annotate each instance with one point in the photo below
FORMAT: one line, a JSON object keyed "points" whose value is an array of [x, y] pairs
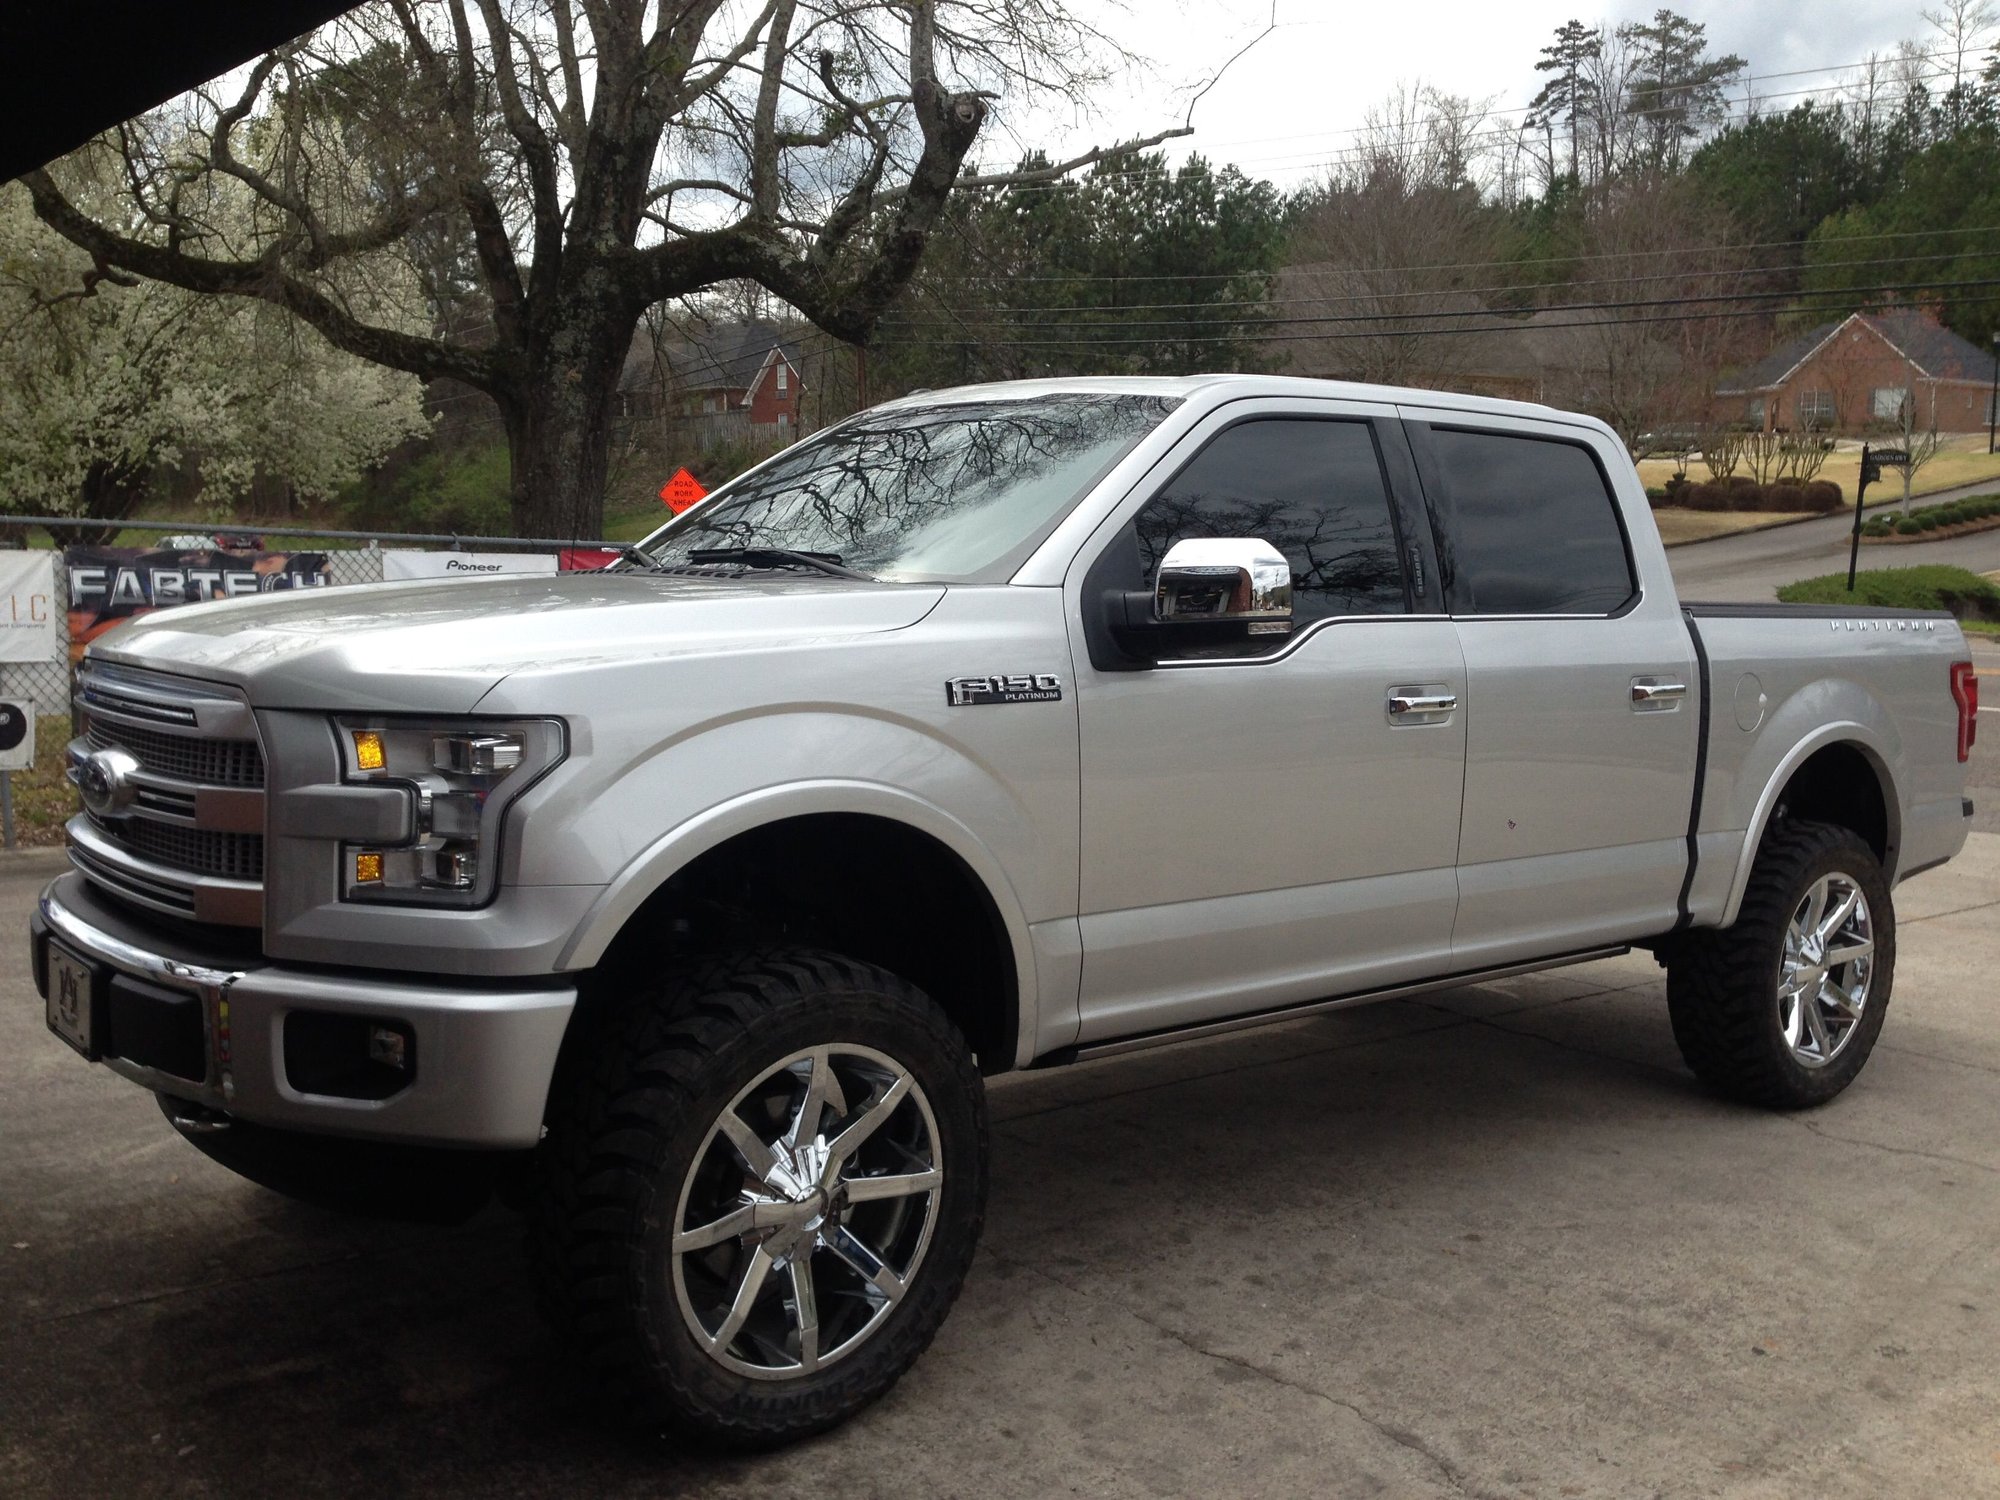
{"points": [[865, 886], [1841, 784]]}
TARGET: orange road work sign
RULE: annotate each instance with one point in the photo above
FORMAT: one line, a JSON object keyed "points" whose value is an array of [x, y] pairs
{"points": [[682, 491]]}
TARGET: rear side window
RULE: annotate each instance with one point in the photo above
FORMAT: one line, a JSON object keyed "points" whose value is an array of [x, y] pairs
{"points": [[1312, 489], [1533, 528]]}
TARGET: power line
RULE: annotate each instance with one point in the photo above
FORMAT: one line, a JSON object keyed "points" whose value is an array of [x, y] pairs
{"points": [[1431, 333], [1461, 327], [1254, 305], [1492, 265]]}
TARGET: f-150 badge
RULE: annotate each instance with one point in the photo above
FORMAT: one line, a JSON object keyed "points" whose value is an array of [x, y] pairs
{"points": [[1022, 687]]}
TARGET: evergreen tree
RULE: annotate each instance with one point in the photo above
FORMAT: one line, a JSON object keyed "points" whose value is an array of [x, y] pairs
{"points": [[1567, 99], [1676, 90], [1136, 268]]}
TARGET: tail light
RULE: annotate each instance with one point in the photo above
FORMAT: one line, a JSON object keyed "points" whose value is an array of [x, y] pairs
{"points": [[1965, 693]]}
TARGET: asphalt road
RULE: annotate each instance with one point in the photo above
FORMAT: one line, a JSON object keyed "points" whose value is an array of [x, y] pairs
{"points": [[1752, 566], [1494, 1243]]}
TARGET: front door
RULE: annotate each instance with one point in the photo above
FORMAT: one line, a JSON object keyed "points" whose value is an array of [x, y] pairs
{"points": [[1275, 822]]}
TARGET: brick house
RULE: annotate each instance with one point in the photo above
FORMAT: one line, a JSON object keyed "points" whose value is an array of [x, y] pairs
{"points": [[740, 372], [1855, 374]]}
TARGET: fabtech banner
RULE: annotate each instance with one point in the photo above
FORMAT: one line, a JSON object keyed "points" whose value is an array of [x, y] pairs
{"points": [[109, 585]]}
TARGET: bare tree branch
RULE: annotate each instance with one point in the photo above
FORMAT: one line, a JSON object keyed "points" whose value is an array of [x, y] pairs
{"points": [[1060, 169]]}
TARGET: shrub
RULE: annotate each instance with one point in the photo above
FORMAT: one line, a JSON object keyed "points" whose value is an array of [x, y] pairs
{"points": [[1908, 526], [1713, 495], [1927, 523], [1782, 499], [1876, 527], [1824, 495], [1933, 586], [447, 489], [1742, 484]]}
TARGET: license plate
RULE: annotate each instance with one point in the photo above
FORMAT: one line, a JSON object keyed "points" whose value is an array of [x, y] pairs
{"points": [[72, 1000]]}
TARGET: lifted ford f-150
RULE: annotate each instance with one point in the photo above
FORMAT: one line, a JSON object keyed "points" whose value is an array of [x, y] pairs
{"points": [[990, 729]]}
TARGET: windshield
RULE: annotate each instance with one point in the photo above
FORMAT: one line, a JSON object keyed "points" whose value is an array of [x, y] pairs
{"points": [[955, 493]]}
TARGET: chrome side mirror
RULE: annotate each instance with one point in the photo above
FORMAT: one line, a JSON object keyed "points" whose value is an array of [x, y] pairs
{"points": [[1225, 580]]}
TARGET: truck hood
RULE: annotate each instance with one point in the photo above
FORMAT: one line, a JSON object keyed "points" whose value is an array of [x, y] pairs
{"points": [[440, 646]]}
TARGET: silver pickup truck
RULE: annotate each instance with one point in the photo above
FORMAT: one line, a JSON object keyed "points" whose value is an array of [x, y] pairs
{"points": [[996, 728]]}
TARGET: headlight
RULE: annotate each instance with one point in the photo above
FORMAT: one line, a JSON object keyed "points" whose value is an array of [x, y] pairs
{"points": [[461, 774]]}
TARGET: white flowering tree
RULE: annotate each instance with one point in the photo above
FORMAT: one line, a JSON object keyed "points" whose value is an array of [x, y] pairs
{"points": [[108, 380]]}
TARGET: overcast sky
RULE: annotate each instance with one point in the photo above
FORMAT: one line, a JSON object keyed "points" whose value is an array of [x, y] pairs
{"points": [[1297, 96]]}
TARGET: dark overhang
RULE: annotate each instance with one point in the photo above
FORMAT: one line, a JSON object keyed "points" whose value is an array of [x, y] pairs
{"points": [[82, 66]]}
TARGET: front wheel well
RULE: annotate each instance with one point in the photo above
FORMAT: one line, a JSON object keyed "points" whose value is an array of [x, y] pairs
{"points": [[862, 885], [1841, 784]]}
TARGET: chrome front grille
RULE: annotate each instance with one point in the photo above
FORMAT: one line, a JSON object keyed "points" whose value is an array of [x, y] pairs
{"points": [[205, 762], [140, 708], [203, 851], [178, 824]]}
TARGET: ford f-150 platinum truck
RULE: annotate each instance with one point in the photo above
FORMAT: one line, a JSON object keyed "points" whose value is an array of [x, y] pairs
{"points": [[993, 728]]}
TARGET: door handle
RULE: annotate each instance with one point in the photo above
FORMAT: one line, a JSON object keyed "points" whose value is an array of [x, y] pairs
{"points": [[1402, 705], [1656, 695]]}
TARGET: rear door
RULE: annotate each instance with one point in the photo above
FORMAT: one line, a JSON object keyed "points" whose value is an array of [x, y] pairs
{"points": [[1582, 701], [1258, 827]]}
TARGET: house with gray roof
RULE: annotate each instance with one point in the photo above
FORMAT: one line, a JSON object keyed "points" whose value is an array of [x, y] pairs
{"points": [[1859, 372]]}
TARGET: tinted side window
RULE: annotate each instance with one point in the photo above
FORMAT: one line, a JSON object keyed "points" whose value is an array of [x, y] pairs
{"points": [[1534, 529], [1312, 489]]}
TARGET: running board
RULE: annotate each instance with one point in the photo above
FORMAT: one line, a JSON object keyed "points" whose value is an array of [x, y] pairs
{"points": [[1118, 1046]]}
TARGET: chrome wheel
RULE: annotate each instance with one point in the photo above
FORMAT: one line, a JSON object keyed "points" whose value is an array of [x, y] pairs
{"points": [[807, 1212], [1828, 965]]}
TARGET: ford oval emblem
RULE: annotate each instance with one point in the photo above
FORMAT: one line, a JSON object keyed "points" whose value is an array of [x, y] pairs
{"points": [[105, 780]]}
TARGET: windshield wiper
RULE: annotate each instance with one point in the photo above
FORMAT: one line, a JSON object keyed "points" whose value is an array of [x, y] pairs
{"points": [[776, 557]]}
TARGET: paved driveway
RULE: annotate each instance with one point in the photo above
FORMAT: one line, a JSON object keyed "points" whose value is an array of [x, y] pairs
{"points": [[1494, 1244]]}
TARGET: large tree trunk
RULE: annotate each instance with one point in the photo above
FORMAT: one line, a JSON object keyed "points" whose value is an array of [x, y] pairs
{"points": [[559, 423], [110, 492]]}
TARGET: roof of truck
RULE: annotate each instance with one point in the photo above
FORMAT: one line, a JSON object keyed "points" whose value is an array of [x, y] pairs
{"points": [[1237, 385]]}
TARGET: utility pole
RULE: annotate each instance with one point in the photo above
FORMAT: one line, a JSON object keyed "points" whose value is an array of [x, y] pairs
{"points": [[1993, 402]]}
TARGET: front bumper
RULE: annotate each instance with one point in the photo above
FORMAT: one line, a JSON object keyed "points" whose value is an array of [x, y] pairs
{"points": [[483, 1053]]}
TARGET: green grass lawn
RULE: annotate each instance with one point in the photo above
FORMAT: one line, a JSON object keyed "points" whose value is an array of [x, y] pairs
{"points": [[1973, 599], [43, 799]]}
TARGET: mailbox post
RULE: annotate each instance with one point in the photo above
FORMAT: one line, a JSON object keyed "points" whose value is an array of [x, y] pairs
{"points": [[1873, 462]]}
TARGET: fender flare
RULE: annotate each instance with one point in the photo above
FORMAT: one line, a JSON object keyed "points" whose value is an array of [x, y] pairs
{"points": [[1841, 732], [666, 856]]}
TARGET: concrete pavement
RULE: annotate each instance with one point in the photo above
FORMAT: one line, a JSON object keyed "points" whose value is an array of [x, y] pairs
{"points": [[1493, 1243]]}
